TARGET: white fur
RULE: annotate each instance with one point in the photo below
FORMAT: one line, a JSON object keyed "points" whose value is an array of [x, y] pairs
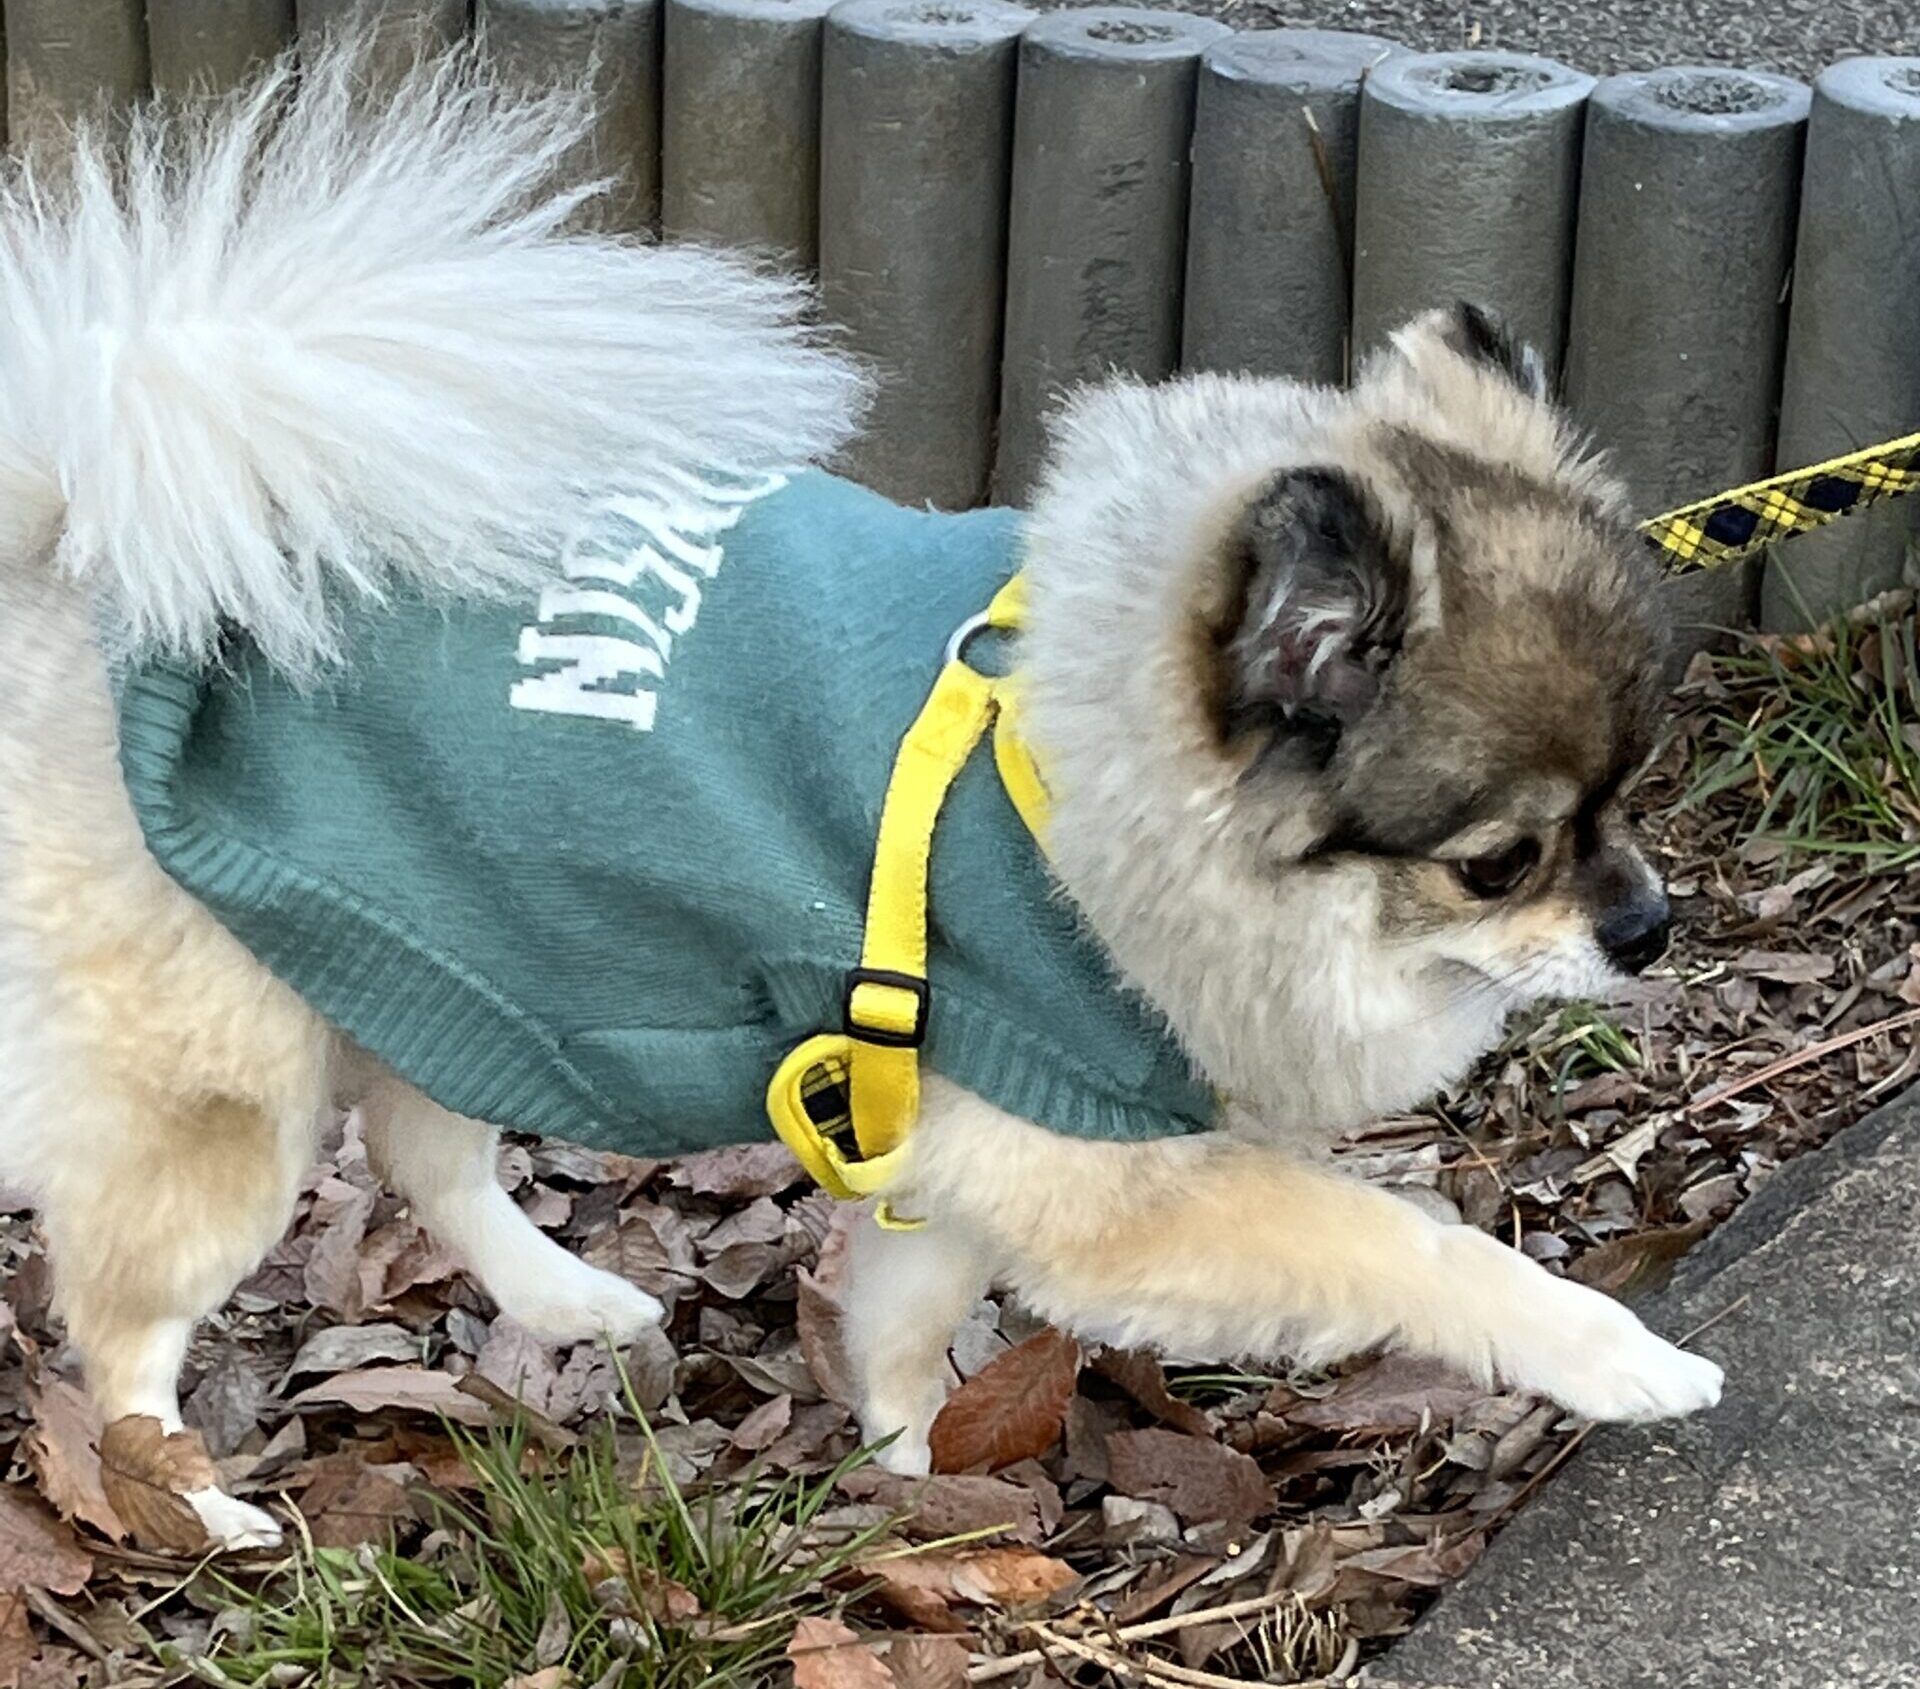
{"points": [[321, 342]]}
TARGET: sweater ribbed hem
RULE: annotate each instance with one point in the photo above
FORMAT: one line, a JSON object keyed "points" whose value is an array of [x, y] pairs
{"points": [[1014, 1070]]}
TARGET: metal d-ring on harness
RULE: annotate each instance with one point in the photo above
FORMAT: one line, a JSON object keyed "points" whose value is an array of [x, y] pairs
{"points": [[845, 1102]]}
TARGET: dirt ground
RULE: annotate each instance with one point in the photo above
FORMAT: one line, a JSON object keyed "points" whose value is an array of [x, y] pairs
{"points": [[1796, 37]]}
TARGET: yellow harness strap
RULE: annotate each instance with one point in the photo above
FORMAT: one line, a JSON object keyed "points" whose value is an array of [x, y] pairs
{"points": [[844, 1102]]}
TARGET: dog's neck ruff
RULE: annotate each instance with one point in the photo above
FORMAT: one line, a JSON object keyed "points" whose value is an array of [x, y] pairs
{"points": [[595, 867]]}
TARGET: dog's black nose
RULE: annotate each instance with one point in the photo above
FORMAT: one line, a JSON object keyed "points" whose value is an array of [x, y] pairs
{"points": [[1634, 934]]}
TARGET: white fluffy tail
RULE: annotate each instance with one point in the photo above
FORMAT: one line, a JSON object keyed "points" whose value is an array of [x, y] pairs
{"points": [[304, 343]]}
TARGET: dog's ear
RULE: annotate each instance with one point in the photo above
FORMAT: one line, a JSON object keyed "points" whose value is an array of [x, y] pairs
{"points": [[1478, 337], [1318, 617]]}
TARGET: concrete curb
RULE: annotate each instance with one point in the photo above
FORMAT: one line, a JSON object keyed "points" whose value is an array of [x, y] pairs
{"points": [[69, 59], [1269, 248], [740, 149], [213, 44], [1469, 176], [401, 29], [1688, 195], [916, 140], [1853, 347], [536, 42], [1096, 246]]}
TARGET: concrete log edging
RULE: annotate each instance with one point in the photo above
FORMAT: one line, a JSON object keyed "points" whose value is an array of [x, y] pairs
{"points": [[615, 44], [1270, 238], [916, 145], [1469, 178], [741, 143], [1853, 341], [1689, 192], [1103, 123]]}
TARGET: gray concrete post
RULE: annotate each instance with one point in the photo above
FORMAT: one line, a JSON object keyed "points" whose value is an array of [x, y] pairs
{"points": [[541, 43], [1853, 345], [1469, 174], [916, 133], [1102, 135], [400, 30], [1688, 197], [213, 45], [1270, 233], [69, 59], [740, 152]]}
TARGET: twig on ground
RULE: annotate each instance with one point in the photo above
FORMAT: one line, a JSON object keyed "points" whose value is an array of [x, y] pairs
{"points": [[985, 1671], [1800, 1058]]}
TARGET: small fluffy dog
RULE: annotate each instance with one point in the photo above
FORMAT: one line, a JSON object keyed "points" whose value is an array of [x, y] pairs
{"points": [[1335, 692]]}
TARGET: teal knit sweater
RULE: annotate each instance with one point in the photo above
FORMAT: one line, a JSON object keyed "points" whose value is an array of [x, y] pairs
{"points": [[591, 867]]}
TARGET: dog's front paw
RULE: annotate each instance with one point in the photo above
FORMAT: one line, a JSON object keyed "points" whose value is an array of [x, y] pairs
{"points": [[909, 1455], [1595, 1358], [233, 1525], [571, 1302]]}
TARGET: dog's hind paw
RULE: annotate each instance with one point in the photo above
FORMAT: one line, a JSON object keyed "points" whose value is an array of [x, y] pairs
{"points": [[232, 1525]]}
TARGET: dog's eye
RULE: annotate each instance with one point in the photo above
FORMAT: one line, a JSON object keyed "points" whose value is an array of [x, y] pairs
{"points": [[1495, 876]]}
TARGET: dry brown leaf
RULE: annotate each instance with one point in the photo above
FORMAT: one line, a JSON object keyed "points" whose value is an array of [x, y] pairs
{"points": [[513, 1358], [644, 1590], [147, 1473], [1197, 1478], [928, 1662], [826, 1654], [1010, 1410], [63, 1448], [765, 1425], [932, 1581], [547, 1677], [1144, 1379], [348, 1502], [37, 1550], [952, 1504], [1636, 1262], [738, 1170], [414, 1387], [19, 1647], [1421, 1564], [333, 1266], [1785, 967], [820, 1311], [1389, 1398]]}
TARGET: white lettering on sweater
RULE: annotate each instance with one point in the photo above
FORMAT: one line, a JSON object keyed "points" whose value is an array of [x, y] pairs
{"points": [[631, 588]]}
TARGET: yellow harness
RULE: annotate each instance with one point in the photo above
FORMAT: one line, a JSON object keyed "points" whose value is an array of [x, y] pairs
{"points": [[846, 1102]]}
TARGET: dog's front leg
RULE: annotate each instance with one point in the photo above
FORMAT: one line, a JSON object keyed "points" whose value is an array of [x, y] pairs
{"points": [[907, 1292], [1213, 1246]]}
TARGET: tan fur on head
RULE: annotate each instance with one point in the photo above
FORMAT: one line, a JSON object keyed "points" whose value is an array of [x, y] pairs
{"points": [[1366, 652]]}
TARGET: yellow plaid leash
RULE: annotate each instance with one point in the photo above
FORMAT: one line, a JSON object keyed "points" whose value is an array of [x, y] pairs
{"points": [[1714, 532]]}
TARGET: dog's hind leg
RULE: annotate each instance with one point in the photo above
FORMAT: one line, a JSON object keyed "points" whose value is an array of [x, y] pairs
{"points": [[907, 1292], [177, 1199], [443, 1163]]}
